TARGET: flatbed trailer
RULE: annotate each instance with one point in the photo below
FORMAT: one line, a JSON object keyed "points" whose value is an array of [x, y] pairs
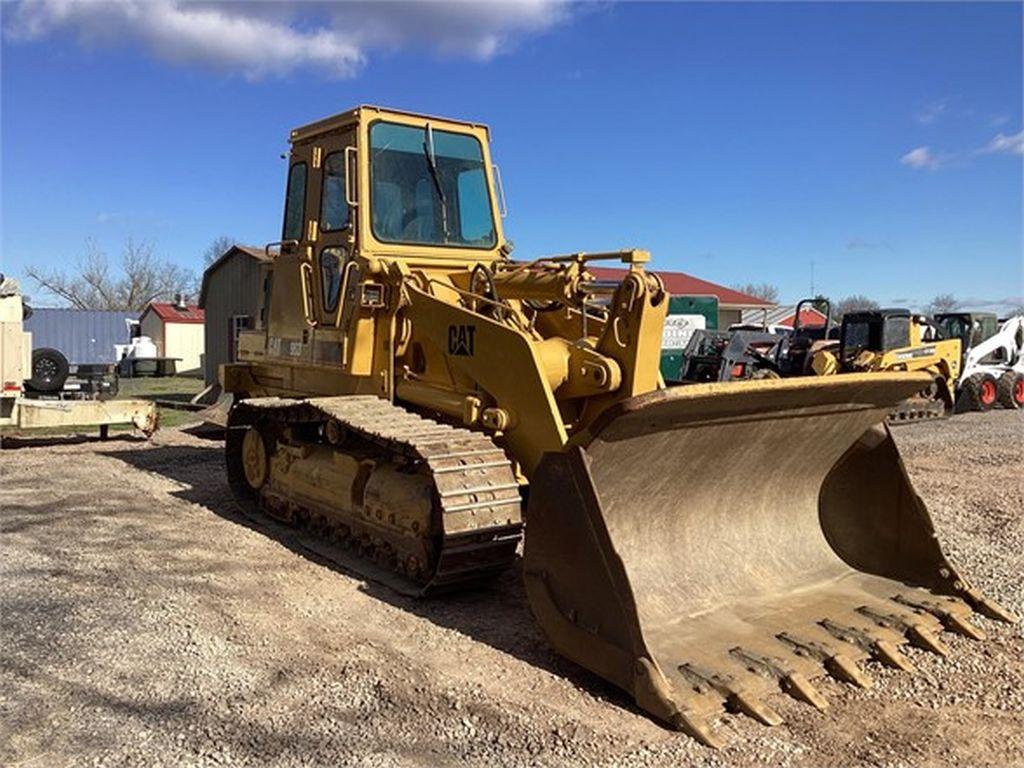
{"points": [[26, 413]]}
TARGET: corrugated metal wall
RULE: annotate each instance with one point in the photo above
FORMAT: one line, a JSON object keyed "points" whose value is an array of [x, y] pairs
{"points": [[83, 336], [232, 289]]}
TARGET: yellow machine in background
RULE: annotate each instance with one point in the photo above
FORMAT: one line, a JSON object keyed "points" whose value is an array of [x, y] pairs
{"points": [[409, 388], [889, 340]]}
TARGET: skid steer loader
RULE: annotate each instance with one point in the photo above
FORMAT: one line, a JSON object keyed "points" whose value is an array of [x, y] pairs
{"points": [[409, 387], [992, 369]]}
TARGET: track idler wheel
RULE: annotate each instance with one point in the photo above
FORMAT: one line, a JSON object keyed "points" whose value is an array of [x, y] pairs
{"points": [[254, 459], [247, 460]]}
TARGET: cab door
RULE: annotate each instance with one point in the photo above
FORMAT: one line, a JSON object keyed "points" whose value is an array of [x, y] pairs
{"points": [[288, 317], [333, 229]]}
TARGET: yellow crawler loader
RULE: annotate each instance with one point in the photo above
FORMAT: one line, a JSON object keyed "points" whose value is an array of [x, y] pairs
{"points": [[412, 397]]}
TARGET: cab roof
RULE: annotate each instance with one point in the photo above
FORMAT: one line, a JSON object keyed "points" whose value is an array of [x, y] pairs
{"points": [[354, 115], [878, 314], [966, 314]]}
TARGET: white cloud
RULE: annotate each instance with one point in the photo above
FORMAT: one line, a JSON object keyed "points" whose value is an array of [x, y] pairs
{"points": [[925, 158], [481, 29], [1013, 145], [932, 112], [261, 39], [858, 243], [921, 157]]}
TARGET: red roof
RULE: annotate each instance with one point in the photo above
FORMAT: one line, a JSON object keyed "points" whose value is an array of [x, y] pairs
{"points": [[809, 317], [170, 313], [682, 284]]}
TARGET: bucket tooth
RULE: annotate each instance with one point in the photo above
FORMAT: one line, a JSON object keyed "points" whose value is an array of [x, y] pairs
{"points": [[791, 681], [960, 625], [889, 654], [845, 669], [751, 706], [880, 649], [737, 698], [987, 607], [922, 637], [947, 612], [840, 666], [698, 729], [917, 633], [799, 687]]}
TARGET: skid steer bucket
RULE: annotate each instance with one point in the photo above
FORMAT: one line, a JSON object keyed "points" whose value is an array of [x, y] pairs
{"points": [[703, 546]]}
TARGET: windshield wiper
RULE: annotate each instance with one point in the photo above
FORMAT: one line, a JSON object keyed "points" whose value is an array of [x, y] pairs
{"points": [[428, 152]]}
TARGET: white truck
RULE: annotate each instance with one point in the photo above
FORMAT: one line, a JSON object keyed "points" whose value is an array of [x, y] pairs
{"points": [[20, 412], [992, 370]]}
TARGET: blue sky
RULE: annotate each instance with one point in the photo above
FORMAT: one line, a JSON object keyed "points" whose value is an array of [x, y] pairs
{"points": [[882, 142]]}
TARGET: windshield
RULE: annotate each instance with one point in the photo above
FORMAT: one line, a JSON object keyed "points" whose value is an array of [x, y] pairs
{"points": [[858, 336], [874, 334], [429, 187], [954, 327]]}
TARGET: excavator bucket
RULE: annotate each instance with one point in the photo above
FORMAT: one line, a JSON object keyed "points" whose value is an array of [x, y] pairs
{"points": [[703, 546]]}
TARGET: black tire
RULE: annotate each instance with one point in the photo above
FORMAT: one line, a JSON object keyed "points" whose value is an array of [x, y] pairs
{"points": [[1011, 390], [980, 392], [49, 370]]}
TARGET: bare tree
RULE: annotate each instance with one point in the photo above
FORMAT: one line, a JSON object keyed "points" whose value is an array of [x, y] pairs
{"points": [[216, 249], [855, 303], [944, 302], [764, 291], [140, 278], [821, 302]]}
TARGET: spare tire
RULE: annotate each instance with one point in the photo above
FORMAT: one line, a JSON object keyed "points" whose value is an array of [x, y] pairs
{"points": [[49, 370]]}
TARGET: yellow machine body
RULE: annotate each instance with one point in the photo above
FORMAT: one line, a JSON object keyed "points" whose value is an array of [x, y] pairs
{"points": [[698, 546]]}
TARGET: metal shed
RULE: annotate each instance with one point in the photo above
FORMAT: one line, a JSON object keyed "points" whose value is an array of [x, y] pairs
{"points": [[230, 296], [84, 336], [177, 330]]}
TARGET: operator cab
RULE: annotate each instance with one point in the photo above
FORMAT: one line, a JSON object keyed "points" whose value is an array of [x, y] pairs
{"points": [[879, 331], [365, 186], [972, 328], [391, 181]]}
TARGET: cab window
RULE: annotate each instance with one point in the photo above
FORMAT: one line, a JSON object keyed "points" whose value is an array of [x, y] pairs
{"points": [[896, 333], [475, 205], [332, 262], [333, 207], [429, 187], [295, 203]]}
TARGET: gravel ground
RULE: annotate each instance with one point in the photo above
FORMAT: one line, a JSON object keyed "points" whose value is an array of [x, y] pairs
{"points": [[145, 623]]}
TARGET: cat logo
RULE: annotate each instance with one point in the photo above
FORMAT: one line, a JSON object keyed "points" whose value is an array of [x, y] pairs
{"points": [[460, 340]]}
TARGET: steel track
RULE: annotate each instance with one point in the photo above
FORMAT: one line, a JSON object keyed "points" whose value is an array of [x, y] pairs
{"points": [[476, 496]]}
